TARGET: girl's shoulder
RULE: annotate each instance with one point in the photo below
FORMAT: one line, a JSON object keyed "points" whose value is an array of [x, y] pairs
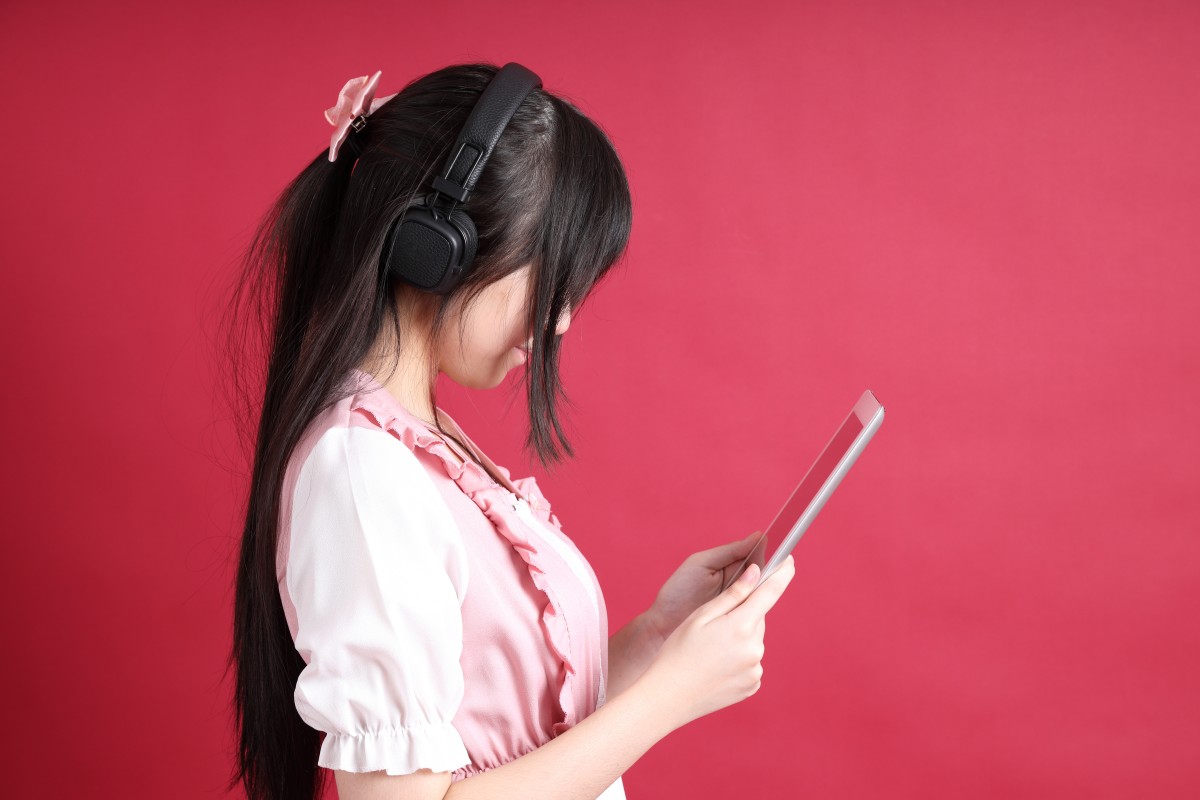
{"points": [[368, 404]]}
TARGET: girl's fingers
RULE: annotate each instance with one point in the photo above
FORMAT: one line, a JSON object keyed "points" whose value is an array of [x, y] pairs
{"points": [[726, 554]]}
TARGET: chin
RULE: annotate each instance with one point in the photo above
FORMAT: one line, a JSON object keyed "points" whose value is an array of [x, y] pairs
{"points": [[484, 381], [488, 380]]}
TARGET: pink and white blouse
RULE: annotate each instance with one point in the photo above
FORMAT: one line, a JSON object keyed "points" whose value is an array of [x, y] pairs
{"points": [[445, 620]]}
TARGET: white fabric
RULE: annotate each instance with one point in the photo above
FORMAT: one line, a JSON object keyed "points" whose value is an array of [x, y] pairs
{"points": [[567, 554], [362, 502], [616, 791]]}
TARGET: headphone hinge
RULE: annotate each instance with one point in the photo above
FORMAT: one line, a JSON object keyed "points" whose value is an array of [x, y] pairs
{"points": [[449, 189]]}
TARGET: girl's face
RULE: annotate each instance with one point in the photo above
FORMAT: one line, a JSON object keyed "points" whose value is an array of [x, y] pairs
{"points": [[493, 332]]}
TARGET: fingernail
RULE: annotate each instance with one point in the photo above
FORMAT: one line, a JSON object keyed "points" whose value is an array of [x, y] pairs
{"points": [[750, 574]]}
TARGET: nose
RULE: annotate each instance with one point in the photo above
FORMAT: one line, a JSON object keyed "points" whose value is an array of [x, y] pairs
{"points": [[564, 321]]}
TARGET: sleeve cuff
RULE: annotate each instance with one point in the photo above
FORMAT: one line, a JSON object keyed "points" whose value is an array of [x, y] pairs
{"points": [[399, 751]]}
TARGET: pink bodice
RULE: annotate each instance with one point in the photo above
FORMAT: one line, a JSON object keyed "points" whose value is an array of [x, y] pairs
{"points": [[534, 624]]}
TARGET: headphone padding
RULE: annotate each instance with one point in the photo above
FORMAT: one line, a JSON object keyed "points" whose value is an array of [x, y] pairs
{"points": [[460, 219]]}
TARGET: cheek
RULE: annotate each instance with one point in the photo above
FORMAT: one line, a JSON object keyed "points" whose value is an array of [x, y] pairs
{"points": [[489, 338], [484, 363]]}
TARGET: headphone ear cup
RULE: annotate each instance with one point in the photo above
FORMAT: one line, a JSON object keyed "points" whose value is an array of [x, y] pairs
{"points": [[460, 219], [421, 250]]}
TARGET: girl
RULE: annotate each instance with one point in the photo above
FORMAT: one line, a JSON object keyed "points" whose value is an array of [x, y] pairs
{"points": [[406, 614]]}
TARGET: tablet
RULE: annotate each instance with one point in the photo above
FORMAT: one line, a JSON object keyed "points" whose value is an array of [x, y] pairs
{"points": [[809, 497]]}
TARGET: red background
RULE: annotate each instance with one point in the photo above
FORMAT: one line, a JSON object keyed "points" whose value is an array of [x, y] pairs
{"points": [[984, 212]]}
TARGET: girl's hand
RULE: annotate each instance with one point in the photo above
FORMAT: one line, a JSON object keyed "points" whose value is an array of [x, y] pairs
{"points": [[714, 658], [698, 580]]}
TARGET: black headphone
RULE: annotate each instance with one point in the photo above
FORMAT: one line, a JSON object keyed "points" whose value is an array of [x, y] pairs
{"points": [[433, 250]]}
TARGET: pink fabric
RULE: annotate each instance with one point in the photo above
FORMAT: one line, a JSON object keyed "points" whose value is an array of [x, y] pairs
{"points": [[355, 99], [534, 661]]}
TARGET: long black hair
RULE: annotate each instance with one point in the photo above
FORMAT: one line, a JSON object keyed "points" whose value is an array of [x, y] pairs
{"points": [[312, 300]]}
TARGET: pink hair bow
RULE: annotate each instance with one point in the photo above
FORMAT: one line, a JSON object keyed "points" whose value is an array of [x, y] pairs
{"points": [[355, 100]]}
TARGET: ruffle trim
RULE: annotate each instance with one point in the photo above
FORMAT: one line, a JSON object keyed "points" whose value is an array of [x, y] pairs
{"points": [[399, 751], [471, 769], [497, 503]]}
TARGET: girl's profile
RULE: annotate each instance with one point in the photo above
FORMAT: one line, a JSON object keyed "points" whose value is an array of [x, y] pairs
{"points": [[409, 617]]}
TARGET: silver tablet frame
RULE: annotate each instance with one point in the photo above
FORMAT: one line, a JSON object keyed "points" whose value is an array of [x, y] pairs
{"points": [[870, 414]]}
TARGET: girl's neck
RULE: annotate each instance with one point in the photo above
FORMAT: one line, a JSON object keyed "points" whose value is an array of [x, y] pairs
{"points": [[413, 395], [406, 378], [406, 367]]}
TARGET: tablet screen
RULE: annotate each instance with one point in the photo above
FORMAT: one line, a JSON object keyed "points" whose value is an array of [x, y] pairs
{"points": [[817, 485]]}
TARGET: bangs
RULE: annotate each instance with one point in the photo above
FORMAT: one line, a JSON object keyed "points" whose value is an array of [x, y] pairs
{"points": [[589, 212]]}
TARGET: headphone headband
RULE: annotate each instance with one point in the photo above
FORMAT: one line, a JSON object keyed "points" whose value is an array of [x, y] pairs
{"points": [[433, 252], [482, 130]]}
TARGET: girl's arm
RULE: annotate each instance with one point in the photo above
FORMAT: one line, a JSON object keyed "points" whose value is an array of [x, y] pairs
{"points": [[709, 662], [584, 760], [578, 764], [630, 652]]}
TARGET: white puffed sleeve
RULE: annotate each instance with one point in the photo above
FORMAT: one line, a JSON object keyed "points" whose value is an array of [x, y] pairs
{"points": [[377, 571]]}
